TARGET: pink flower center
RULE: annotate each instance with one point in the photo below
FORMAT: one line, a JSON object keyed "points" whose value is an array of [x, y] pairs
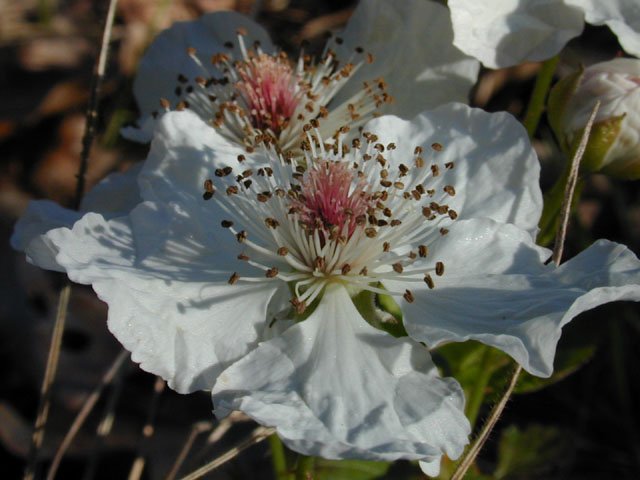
{"points": [[330, 201], [268, 87]]}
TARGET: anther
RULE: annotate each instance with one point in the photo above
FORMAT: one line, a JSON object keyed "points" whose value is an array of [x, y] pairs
{"points": [[243, 257], [226, 223], [272, 272], [429, 281], [436, 146], [397, 267], [386, 246], [346, 269], [234, 278], [452, 214], [435, 170], [450, 190], [423, 251], [444, 231], [408, 296], [241, 236], [282, 251], [439, 268]]}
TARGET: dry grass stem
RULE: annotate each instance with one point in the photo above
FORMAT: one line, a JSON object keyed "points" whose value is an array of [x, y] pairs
{"points": [[257, 436], [84, 413], [147, 431], [65, 293], [196, 430]]}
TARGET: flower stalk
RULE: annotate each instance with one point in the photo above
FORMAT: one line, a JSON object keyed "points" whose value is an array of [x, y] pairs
{"points": [[539, 95]]}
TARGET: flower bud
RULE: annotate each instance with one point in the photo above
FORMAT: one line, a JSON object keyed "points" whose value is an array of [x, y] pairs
{"points": [[614, 142]]}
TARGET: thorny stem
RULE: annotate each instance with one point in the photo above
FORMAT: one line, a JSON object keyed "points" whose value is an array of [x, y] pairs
{"points": [[63, 302], [257, 436], [570, 188], [477, 444], [84, 412], [539, 95]]}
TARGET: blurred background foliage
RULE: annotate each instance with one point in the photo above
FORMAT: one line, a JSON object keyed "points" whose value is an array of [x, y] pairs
{"points": [[585, 426]]}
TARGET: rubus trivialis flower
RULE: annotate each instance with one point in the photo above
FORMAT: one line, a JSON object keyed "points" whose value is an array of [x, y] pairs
{"points": [[238, 82], [502, 33], [247, 273], [614, 141]]}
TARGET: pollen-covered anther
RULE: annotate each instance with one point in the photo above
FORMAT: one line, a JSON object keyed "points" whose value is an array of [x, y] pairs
{"points": [[408, 296], [397, 267], [299, 306], [429, 281], [272, 272], [282, 251], [439, 268], [436, 146], [241, 236], [234, 278]]}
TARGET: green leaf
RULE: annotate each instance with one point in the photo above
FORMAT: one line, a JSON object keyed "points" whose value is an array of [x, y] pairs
{"points": [[531, 452], [349, 469]]}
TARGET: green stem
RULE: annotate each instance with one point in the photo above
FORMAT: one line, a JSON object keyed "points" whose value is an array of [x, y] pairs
{"points": [[539, 95], [304, 470], [476, 396], [553, 200], [278, 457]]}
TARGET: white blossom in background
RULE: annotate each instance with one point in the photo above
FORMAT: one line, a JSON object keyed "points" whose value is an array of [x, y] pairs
{"points": [[614, 142], [502, 33], [246, 274], [393, 57]]}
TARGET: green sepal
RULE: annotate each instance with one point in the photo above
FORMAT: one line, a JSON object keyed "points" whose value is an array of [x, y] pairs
{"points": [[602, 137], [384, 315], [559, 97]]}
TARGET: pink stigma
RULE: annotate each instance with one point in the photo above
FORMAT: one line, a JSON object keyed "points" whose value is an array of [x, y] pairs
{"points": [[268, 87], [329, 198]]}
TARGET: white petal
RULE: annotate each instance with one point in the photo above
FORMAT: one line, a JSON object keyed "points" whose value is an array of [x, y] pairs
{"points": [[336, 387], [431, 468], [496, 290], [29, 232], [167, 58], [496, 170], [184, 153], [116, 194], [621, 16], [165, 280], [501, 33], [411, 42]]}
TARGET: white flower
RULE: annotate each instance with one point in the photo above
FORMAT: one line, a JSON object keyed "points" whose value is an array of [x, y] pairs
{"points": [[424, 71], [389, 55], [501, 33], [250, 274]]}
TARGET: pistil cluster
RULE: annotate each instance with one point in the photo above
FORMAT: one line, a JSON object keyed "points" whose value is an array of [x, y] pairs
{"points": [[266, 94], [340, 214]]}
